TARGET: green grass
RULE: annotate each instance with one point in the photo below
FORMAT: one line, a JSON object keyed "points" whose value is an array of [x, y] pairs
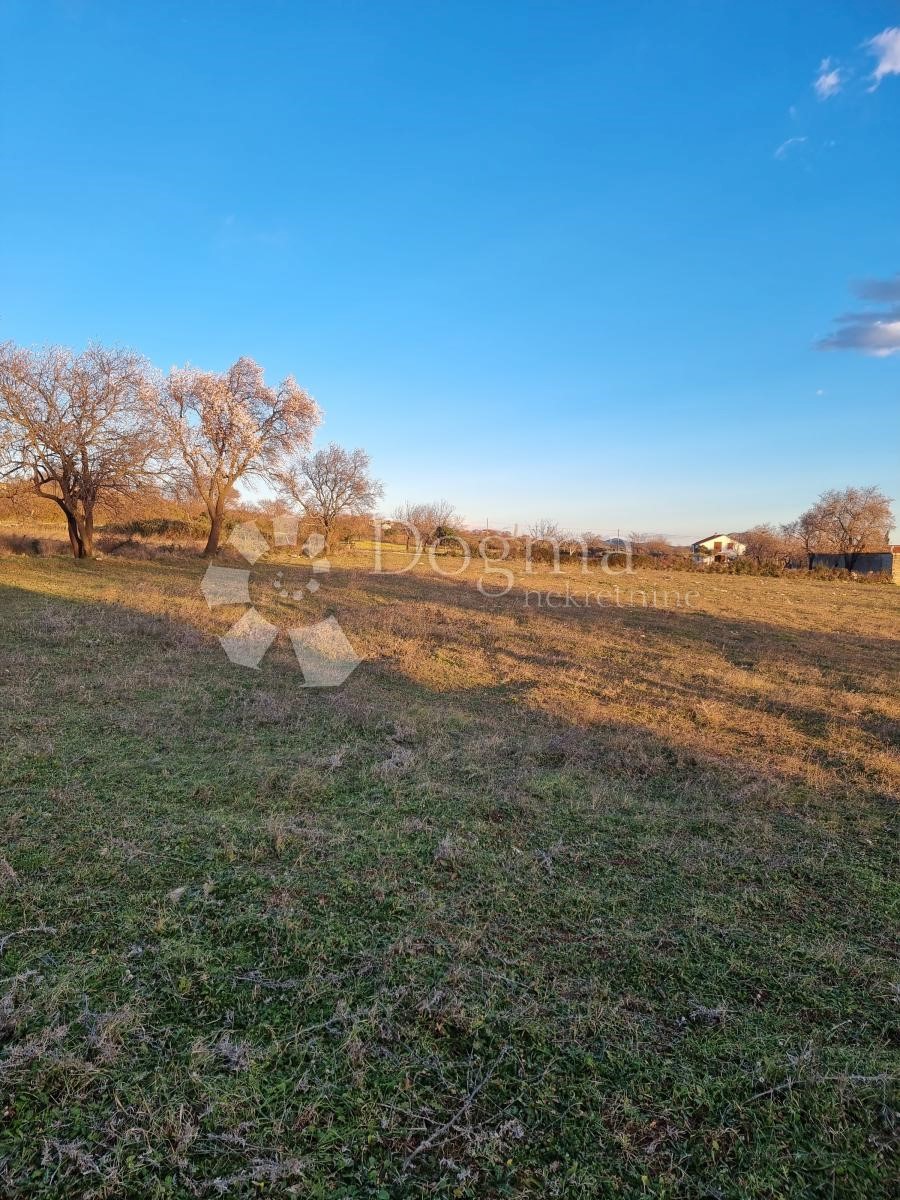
{"points": [[418, 939]]}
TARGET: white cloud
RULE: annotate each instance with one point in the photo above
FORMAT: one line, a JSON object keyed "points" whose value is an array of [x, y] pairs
{"points": [[785, 148], [829, 80], [867, 333], [873, 332], [886, 48]]}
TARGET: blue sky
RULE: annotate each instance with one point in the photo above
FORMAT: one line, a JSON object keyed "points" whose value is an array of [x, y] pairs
{"points": [[543, 259]]}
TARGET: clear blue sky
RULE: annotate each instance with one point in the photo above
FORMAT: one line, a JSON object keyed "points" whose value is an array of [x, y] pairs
{"points": [[563, 259]]}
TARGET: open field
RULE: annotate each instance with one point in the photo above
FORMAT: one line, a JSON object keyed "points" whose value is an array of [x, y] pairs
{"points": [[542, 902]]}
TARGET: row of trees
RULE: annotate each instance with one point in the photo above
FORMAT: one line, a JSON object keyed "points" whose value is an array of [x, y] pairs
{"points": [[845, 522], [83, 430]]}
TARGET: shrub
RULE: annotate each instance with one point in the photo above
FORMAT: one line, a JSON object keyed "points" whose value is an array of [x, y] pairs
{"points": [[148, 527], [24, 543]]}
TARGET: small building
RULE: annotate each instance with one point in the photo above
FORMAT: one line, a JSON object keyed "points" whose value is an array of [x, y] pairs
{"points": [[865, 562], [718, 547]]}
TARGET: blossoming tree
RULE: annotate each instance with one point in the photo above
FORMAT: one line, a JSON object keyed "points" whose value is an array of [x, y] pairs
{"points": [[226, 426]]}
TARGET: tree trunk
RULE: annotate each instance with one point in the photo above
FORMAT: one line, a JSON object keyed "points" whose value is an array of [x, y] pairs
{"points": [[81, 534], [73, 527], [215, 535], [86, 533], [74, 536], [216, 520]]}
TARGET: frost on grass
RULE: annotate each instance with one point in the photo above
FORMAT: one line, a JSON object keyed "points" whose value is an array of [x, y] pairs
{"points": [[105, 1032], [37, 1047], [260, 1172], [700, 1014], [234, 1055], [69, 1154], [8, 878], [450, 851], [548, 858], [399, 760], [13, 1006], [287, 828]]}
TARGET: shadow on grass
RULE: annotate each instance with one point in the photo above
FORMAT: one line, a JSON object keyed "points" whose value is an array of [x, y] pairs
{"points": [[535, 661]]}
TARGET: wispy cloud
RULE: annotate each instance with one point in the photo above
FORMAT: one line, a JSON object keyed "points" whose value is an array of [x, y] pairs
{"points": [[831, 77], [876, 331], [881, 291], [829, 80], [232, 231], [786, 147], [886, 48]]}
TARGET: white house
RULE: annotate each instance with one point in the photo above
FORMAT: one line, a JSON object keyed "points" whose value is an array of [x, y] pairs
{"points": [[718, 547]]}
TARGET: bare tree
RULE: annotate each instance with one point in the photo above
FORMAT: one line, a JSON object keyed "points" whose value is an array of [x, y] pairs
{"points": [[226, 426], [574, 545], [799, 540], [545, 535], [76, 429], [767, 544], [545, 530], [653, 544], [330, 484], [271, 507], [806, 535], [432, 520], [847, 522]]}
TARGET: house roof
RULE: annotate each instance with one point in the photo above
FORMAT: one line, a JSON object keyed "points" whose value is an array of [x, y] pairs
{"points": [[712, 537]]}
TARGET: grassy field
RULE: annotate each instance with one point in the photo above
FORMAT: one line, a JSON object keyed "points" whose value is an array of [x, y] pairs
{"points": [[542, 902]]}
